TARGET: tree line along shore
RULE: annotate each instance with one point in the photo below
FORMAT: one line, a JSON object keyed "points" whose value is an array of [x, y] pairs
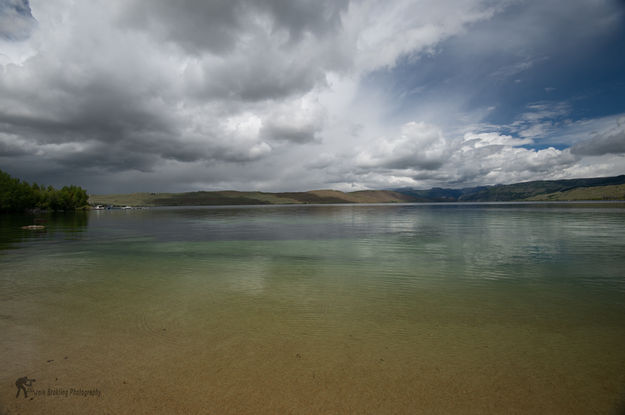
{"points": [[18, 196]]}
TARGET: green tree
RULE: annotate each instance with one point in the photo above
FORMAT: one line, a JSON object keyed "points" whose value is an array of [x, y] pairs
{"points": [[17, 195]]}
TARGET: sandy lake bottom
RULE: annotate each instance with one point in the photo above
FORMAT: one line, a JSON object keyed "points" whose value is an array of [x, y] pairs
{"points": [[316, 310]]}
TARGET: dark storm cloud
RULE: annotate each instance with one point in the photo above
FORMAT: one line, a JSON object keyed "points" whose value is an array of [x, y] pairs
{"points": [[256, 75], [101, 157], [124, 107], [288, 133], [246, 50], [411, 162], [89, 122], [291, 131], [216, 26], [98, 122], [10, 147], [216, 94], [16, 19], [598, 145]]}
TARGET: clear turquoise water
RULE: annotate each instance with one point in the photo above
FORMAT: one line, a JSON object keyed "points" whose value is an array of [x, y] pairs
{"points": [[485, 308]]}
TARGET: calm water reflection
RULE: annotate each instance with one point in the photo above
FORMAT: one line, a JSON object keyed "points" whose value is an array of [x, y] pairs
{"points": [[484, 308]]}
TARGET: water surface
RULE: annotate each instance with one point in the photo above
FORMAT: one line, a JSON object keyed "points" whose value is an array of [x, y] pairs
{"points": [[455, 308]]}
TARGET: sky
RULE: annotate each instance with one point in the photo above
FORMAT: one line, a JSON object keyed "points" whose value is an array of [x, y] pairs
{"points": [[123, 96]]}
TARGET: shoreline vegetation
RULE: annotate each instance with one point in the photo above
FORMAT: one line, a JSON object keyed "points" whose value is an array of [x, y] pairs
{"points": [[601, 188], [18, 196]]}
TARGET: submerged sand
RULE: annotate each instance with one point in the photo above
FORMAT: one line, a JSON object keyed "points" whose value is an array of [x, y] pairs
{"points": [[522, 313], [196, 346]]}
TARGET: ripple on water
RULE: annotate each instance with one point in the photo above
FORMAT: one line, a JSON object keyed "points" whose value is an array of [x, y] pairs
{"points": [[479, 293]]}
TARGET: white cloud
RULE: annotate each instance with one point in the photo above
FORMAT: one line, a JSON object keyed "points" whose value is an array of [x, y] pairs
{"points": [[203, 94], [609, 141], [384, 31], [477, 140], [420, 156], [419, 146]]}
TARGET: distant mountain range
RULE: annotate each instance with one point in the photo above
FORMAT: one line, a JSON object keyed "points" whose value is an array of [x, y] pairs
{"points": [[600, 188]]}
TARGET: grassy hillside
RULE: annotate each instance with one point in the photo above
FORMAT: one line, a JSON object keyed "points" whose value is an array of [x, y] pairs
{"points": [[132, 199], [600, 188], [366, 196], [189, 199], [535, 190], [529, 190], [247, 198], [614, 192]]}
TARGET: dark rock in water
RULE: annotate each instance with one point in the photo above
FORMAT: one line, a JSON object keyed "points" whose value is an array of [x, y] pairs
{"points": [[33, 227]]}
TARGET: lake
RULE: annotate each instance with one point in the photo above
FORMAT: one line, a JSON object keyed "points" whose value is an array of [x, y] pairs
{"points": [[311, 309]]}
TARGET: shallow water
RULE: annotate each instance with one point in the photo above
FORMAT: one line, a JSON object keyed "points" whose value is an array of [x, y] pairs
{"points": [[485, 308]]}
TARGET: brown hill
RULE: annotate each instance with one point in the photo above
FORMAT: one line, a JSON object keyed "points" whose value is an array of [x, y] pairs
{"points": [[248, 198]]}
